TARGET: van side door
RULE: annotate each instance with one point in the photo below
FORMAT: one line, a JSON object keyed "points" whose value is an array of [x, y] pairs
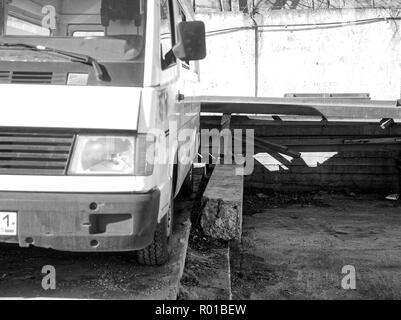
{"points": [[189, 121]]}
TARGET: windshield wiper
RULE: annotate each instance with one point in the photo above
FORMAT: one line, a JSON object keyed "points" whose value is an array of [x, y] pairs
{"points": [[76, 57]]}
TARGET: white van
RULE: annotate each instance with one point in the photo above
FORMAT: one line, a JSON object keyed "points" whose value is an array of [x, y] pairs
{"points": [[87, 87]]}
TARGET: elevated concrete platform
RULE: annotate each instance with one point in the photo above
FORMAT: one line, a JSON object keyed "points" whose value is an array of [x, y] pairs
{"points": [[222, 204]]}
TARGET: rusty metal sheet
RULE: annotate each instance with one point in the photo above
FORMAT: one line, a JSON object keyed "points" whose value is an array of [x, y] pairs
{"points": [[330, 109]]}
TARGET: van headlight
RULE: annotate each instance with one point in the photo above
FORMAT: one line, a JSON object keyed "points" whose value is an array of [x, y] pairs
{"points": [[111, 155]]}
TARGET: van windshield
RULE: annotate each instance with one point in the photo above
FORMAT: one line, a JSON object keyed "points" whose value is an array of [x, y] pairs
{"points": [[107, 30]]}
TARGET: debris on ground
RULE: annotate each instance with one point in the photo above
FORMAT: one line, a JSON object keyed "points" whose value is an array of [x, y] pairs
{"points": [[206, 274], [255, 199], [298, 249], [393, 197]]}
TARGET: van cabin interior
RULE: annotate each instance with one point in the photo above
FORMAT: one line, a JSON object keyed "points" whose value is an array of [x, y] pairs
{"points": [[73, 18]]}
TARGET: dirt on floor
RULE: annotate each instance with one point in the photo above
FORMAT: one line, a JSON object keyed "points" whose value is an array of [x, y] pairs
{"points": [[295, 246], [95, 275], [206, 274]]}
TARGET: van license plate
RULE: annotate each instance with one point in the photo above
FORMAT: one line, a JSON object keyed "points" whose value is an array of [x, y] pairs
{"points": [[8, 223]]}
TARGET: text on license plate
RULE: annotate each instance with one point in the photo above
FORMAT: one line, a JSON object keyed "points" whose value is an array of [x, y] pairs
{"points": [[8, 223]]}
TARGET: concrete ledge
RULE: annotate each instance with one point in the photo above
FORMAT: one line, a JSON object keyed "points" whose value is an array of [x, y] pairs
{"points": [[222, 204]]}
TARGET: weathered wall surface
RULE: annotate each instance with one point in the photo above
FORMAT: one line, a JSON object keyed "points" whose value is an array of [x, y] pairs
{"points": [[249, 5], [229, 67], [303, 51]]}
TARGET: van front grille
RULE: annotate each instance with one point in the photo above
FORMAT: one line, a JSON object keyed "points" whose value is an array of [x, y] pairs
{"points": [[5, 76], [34, 153], [32, 77]]}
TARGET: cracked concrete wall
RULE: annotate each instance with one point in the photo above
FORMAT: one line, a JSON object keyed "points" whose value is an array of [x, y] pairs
{"points": [[313, 57], [228, 68]]}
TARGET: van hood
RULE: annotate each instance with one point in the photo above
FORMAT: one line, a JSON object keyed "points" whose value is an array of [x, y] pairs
{"points": [[50, 106]]}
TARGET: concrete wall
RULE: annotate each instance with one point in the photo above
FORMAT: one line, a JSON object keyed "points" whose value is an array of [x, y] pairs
{"points": [[325, 162], [229, 66], [212, 5], [245, 5], [296, 57]]}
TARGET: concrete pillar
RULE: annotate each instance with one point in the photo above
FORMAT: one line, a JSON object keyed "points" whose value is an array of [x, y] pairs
{"points": [[222, 204], [234, 5], [2, 16]]}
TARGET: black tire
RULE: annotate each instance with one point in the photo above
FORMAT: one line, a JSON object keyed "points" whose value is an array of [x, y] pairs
{"points": [[187, 188], [157, 253]]}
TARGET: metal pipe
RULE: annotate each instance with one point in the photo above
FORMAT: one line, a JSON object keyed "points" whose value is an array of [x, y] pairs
{"points": [[256, 59], [256, 50], [2, 16]]}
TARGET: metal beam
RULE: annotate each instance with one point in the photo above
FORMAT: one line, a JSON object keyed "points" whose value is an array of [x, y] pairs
{"points": [[331, 109], [365, 96], [374, 141], [222, 5]]}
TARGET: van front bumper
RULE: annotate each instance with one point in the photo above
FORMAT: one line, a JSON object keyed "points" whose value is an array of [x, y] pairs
{"points": [[83, 222]]}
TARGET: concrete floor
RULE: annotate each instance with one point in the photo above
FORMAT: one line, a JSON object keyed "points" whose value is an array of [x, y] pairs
{"points": [[297, 250], [293, 247]]}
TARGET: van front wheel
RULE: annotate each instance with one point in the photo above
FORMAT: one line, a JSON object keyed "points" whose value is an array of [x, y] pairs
{"points": [[157, 253]]}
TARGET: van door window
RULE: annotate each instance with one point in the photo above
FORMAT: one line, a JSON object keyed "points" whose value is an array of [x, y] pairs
{"points": [[167, 34], [108, 30]]}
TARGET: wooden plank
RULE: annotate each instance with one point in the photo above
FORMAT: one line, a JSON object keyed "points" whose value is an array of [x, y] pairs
{"points": [[355, 139], [336, 161], [368, 187], [374, 141], [322, 178], [329, 169], [305, 141], [268, 145], [340, 148], [369, 154], [225, 122], [311, 164], [292, 146]]}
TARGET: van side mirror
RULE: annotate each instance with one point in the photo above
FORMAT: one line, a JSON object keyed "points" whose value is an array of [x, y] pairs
{"points": [[191, 44]]}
